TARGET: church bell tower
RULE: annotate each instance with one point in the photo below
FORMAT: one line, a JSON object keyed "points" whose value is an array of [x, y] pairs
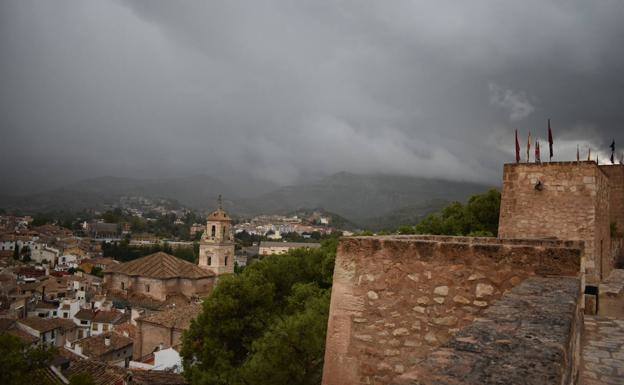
{"points": [[216, 248]]}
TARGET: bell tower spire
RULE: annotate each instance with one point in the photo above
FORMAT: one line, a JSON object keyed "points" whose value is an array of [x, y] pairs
{"points": [[216, 248]]}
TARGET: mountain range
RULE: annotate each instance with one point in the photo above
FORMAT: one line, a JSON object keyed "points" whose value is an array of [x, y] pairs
{"points": [[369, 201]]}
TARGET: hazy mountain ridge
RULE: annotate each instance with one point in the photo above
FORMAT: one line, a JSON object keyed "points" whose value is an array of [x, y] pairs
{"points": [[371, 201]]}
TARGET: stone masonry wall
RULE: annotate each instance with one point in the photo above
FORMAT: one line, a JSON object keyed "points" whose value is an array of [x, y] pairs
{"points": [[531, 336], [616, 195], [395, 299], [573, 204], [616, 210]]}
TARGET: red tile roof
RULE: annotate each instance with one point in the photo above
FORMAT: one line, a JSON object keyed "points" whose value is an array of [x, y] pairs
{"points": [[160, 265], [176, 317]]}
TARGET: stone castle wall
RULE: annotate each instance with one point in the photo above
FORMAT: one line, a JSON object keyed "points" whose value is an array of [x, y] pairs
{"points": [[615, 173], [396, 299], [573, 204], [506, 344]]}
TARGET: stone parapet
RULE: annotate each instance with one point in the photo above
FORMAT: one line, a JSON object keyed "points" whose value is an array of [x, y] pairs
{"points": [[611, 295], [397, 298], [531, 336]]}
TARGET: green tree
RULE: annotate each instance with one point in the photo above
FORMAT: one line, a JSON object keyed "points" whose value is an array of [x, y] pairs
{"points": [[478, 217], [16, 252], [277, 304], [97, 271], [20, 363]]}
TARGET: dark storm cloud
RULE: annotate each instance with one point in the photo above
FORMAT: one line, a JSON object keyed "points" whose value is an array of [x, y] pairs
{"points": [[288, 90]]}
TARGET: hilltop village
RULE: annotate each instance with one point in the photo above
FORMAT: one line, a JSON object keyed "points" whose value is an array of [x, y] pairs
{"points": [[118, 320], [541, 303]]}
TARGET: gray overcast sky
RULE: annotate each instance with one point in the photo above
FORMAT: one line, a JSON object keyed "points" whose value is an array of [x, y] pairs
{"points": [[289, 90]]}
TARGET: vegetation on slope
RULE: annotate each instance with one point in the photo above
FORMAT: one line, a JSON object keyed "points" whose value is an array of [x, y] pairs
{"points": [[478, 217], [266, 325]]}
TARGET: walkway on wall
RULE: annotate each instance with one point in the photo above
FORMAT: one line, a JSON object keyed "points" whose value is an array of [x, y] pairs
{"points": [[603, 351]]}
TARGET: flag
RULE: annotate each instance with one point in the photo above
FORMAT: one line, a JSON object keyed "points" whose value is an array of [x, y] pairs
{"points": [[622, 158], [589, 155], [517, 148], [537, 152], [550, 140], [529, 148], [578, 153], [612, 151]]}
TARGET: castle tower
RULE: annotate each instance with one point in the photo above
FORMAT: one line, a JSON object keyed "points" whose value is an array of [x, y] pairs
{"points": [[216, 248]]}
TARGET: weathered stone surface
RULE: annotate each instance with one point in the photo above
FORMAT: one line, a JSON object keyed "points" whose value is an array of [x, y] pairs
{"points": [[372, 295], [510, 344], [603, 351], [436, 261], [484, 290], [441, 290], [611, 295], [446, 321], [574, 203], [431, 338], [400, 332], [475, 276], [419, 309], [422, 301], [461, 299]]}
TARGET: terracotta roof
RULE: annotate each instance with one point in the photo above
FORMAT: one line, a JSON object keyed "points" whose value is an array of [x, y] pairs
{"points": [[6, 323], [154, 377], [95, 346], [85, 314], [126, 328], [100, 372], [177, 317], [23, 336], [47, 324], [160, 265], [106, 374], [45, 305], [109, 316]]}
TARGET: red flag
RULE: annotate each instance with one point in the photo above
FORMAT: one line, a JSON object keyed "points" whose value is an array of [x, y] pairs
{"points": [[517, 148], [529, 148], [550, 140], [537, 152]]}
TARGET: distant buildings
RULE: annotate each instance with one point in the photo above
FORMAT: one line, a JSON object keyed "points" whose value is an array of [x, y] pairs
{"points": [[269, 248]]}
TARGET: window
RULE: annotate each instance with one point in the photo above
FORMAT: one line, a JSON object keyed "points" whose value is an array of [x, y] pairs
{"points": [[147, 288], [94, 326], [213, 231], [122, 286], [83, 322], [52, 334], [226, 260], [65, 315], [209, 261], [106, 327]]}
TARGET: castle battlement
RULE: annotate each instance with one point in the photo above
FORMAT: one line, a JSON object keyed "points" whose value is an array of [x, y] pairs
{"points": [[566, 200]]}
